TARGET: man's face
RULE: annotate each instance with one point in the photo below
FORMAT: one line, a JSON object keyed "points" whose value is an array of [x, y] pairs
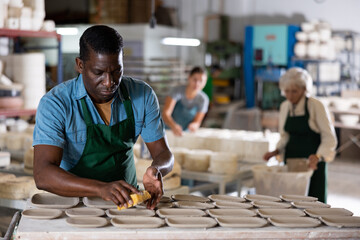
{"points": [[101, 74]]}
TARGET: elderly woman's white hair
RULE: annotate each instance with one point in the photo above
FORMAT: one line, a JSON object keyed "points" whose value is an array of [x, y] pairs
{"points": [[296, 77]]}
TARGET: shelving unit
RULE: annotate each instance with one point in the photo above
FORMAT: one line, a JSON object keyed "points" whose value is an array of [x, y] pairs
{"points": [[317, 82], [17, 34], [161, 74]]}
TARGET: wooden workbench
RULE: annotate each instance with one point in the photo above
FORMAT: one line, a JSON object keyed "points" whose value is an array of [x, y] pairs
{"points": [[30, 229]]}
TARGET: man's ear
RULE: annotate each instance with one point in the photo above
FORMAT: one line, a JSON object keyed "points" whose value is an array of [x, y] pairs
{"points": [[79, 65]]}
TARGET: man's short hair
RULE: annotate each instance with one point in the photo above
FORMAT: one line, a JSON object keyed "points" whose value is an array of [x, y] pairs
{"points": [[101, 39]]}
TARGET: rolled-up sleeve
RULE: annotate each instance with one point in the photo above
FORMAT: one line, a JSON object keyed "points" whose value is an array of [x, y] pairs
{"points": [[49, 123]]}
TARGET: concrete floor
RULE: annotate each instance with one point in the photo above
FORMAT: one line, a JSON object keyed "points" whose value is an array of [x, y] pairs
{"points": [[344, 184]]}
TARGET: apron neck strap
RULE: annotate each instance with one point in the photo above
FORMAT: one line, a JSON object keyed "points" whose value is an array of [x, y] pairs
{"points": [[127, 100], [306, 107], [87, 116]]}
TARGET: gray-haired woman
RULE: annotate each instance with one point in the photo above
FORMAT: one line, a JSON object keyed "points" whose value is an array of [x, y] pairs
{"points": [[306, 129]]}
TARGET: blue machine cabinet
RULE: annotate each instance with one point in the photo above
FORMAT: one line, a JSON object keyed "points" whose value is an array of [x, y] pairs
{"points": [[266, 45]]}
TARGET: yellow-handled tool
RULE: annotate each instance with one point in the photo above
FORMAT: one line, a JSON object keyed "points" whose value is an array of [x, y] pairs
{"points": [[137, 198]]}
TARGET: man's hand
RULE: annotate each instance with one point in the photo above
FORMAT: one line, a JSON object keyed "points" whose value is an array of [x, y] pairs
{"points": [[194, 126], [118, 192], [177, 130], [152, 181], [313, 161]]}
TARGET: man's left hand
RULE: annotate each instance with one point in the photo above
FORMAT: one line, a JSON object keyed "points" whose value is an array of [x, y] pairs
{"points": [[152, 181]]}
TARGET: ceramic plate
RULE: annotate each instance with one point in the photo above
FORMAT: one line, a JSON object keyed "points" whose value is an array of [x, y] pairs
{"points": [[98, 202], [232, 205], [165, 199], [258, 197], [230, 213], [130, 212], [165, 205], [294, 222], [269, 204], [272, 212], [49, 200], [188, 197], [319, 212], [84, 212], [341, 221], [137, 222], [180, 212], [191, 222], [86, 222], [241, 222], [225, 198], [196, 205], [305, 205], [41, 213], [298, 198]]}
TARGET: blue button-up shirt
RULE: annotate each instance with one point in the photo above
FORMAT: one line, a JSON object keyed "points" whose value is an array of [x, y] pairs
{"points": [[60, 122]]}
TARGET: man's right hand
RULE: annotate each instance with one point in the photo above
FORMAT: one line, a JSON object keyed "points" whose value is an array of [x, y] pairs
{"points": [[118, 192]]}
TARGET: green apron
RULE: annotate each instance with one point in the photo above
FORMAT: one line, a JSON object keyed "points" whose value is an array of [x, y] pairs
{"points": [[108, 152], [302, 143]]}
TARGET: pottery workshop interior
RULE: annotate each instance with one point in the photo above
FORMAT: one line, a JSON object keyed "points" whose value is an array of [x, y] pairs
{"points": [[179, 119]]}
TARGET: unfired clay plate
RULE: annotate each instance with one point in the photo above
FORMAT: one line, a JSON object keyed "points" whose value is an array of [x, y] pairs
{"points": [[215, 213], [232, 205], [130, 212], [191, 222], [305, 205], [269, 204], [86, 222], [41, 213], [164, 205], [84, 212], [241, 222], [165, 199], [196, 205], [137, 222], [298, 198], [341, 221], [294, 222], [225, 198], [98, 202], [49, 200], [180, 212], [258, 197], [320, 212], [272, 212], [188, 197]]}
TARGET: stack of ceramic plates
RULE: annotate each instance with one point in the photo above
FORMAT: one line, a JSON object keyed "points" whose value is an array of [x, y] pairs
{"points": [[29, 70]]}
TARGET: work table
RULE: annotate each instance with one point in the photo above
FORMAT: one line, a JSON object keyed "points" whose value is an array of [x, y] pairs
{"points": [[31, 229]]}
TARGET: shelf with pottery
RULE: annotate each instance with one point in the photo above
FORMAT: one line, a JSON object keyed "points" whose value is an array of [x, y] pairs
{"points": [[17, 112]]}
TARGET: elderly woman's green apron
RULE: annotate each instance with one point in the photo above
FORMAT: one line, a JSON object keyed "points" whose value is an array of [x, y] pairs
{"points": [[108, 152], [302, 143]]}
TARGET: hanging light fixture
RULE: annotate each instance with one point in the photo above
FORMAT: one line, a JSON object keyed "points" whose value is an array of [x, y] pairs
{"points": [[191, 42]]}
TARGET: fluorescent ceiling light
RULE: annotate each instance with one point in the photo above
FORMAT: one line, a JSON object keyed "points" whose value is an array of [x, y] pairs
{"points": [[193, 42], [67, 30]]}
